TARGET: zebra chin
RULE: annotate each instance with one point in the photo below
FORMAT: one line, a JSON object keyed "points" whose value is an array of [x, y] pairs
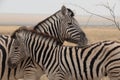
{"points": [[11, 65]]}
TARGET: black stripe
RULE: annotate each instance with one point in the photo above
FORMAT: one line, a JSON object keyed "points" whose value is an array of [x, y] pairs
{"points": [[51, 62], [9, 45], [107, 54], [115, 67], [46, 48], [111, 61], [4, 55], [40, 52], [65, 56], [71, 58], [56, 67], [85, 60], [54, 59], [61, 55], [50, 59], [78, 62], [8, 76], [33, 44], [36, 48], [82, 51], [94, 59], [15, 70]]}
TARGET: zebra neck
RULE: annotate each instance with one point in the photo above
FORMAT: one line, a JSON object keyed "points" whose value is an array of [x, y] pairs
{"points": [[51, 26]]}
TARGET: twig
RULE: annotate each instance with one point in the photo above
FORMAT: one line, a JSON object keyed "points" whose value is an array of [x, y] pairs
{"points": [[106, 6]]}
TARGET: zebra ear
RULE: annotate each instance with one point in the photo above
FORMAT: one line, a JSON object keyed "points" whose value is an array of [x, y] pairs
{"points": [[64, 10], [19, 29], [13, 35]]}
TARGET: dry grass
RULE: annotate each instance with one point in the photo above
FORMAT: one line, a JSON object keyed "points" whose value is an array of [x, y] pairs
{"points": [[96, 34], [7, 29]]}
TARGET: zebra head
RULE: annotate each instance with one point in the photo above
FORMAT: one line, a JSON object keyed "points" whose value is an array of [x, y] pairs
{"points": [[17, 51], [70, 28], [63, 26]]}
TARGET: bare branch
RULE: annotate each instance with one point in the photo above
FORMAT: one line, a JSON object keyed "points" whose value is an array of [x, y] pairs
{"points": [[88, 20], [112, 13], [90, 12], [107, 6]]}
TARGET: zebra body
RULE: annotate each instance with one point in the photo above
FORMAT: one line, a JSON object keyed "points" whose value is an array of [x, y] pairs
{"points": [[74, 63], [92, 62]]}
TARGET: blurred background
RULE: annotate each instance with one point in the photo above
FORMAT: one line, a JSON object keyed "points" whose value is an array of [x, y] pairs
{"points": [[91, 15], [99, 19]]}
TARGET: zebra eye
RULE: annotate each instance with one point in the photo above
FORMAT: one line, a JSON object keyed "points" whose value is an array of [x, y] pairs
{"points": [[70, 23]]}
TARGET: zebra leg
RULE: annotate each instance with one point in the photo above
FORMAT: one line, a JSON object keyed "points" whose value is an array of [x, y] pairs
{"points": [[12, 77], [33, 74], [33, 71]]}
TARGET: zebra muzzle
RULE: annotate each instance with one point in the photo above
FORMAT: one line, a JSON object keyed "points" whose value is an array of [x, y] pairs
{"points": [[11, 65]]}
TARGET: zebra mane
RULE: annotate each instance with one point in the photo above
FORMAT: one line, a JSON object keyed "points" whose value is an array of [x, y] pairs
{"points": [[69, 10], [33, 32]]}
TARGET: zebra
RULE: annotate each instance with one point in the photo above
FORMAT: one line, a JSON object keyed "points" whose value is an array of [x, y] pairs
{"points": [[63, 26], [69, 31], [5, 72], [5, 41], [91, 62]]}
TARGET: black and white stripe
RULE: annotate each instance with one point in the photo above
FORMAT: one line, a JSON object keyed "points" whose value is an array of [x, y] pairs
{"points": [[62, 27], [34, 40], [5, 41], [5, 72], [60, 62]]}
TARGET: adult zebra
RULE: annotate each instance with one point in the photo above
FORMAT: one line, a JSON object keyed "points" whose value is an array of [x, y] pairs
{"points": [[64, 27], [60, 62]]}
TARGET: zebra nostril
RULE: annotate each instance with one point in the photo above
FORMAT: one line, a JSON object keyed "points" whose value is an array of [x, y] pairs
{"points": [[10, 64], [16, 47]]}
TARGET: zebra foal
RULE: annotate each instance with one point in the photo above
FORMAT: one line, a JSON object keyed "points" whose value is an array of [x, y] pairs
{"points": [[62, 63], [5, 72]]}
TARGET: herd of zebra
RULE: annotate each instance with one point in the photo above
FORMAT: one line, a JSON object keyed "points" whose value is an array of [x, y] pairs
{"points": [[29, 54]]}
